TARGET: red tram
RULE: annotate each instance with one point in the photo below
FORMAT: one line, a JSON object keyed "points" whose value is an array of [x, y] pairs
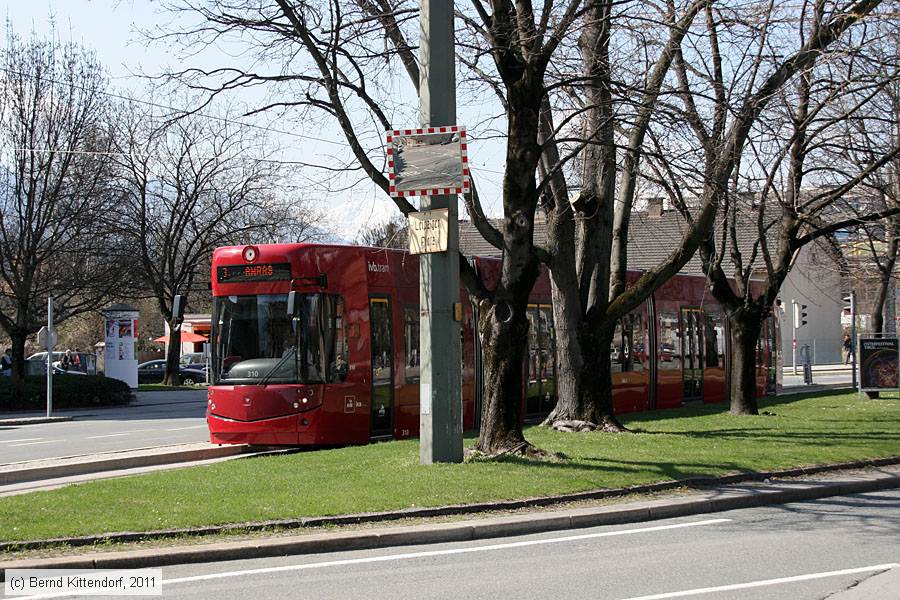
{"points": [[343, 367]]}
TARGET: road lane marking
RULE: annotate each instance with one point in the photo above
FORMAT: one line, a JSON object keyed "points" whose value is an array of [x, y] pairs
{"points": [[20, 440], [191, 427], [97, 437], [765, 582], [33, 443], [430, 553]]}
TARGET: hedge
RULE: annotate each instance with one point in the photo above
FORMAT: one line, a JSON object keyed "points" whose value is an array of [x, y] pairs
{"points": [[69, 391]]}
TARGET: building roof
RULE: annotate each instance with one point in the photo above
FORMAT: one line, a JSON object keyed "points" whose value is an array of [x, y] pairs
{"points": [[651, 239]]}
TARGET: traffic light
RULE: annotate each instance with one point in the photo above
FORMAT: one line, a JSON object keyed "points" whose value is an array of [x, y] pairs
{"points": [[800, 315]]}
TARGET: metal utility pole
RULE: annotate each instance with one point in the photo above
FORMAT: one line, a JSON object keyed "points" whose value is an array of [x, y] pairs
{"points": [[794, 320], [440, 420], [853, 334], [50, 345]]}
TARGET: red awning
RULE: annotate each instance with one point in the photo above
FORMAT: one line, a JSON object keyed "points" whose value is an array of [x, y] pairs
{"points": [[186, 336]]}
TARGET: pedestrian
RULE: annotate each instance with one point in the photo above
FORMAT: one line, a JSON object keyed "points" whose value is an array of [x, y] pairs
{"points": [[67, 360], [848, 348], [6, 363]]}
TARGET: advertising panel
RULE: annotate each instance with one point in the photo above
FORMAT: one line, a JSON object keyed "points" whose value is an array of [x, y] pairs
{"points": [[879, 368], [119, 346]]}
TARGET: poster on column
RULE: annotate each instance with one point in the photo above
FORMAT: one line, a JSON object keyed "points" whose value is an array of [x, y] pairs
{"points": [[120, 323], [879, 364]]}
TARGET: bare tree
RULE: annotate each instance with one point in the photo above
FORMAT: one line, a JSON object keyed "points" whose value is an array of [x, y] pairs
{"points": [[570, 94], [638, 112], [393, 233], [872, 248], [56, 198], [188, 185], [800, 141], [326, 62]]}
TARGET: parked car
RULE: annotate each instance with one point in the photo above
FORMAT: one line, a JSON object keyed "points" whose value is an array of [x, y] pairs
{"points": [[82, 363], [193, 359], [154, 371]]}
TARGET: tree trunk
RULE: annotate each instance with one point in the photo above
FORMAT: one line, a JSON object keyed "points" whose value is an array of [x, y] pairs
{"points": [[878, 307], [596, 378], [17, 339], [173, 356], [504, 353], [591, 408], [745, 326], [567, 320]]}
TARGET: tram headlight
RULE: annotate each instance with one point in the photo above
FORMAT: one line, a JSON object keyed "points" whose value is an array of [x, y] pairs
{"points": [[304, 400]]}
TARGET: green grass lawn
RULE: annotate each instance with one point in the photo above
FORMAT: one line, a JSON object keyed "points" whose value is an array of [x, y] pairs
{"points": [[672, 444]]}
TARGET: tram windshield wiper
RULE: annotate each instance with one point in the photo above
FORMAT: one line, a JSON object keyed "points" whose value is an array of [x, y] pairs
{"points": [[291, 354]]}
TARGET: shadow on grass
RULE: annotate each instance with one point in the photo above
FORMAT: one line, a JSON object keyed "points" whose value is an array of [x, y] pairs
{"points": [[769, 435], [668, 470]]}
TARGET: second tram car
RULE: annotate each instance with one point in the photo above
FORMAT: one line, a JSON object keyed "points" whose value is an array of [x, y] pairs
{"points": [[343, 368]]}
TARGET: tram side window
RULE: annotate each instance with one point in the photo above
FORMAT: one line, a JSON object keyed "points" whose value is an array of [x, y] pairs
{"points": [[326, 326], [632, 344], [627, 350], [616, 350], [341, 362], [715, 341], [548, 346], [411, 343], [669, 351]]}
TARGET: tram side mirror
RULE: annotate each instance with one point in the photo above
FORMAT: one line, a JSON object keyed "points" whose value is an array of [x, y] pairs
{"points": [[292, 304], [292, 311]]}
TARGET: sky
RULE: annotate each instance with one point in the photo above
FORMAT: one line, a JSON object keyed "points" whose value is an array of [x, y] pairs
{"points": [[111, 29]]}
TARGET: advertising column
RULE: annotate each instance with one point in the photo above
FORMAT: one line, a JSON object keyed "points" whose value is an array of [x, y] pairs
{"points": [[119, 351], [879, 363]]}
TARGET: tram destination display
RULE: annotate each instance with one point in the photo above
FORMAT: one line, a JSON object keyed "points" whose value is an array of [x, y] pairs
{"points": [[260, 272], [879, 368]]}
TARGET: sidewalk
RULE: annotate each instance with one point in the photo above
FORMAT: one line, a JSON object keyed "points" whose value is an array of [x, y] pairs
{"points": [[710, 499], [836, 368]]}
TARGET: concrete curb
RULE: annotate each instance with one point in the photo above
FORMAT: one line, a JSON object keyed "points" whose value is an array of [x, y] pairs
{"points": [[711, 501], [750, 493], [33, 420], [111, 463]]}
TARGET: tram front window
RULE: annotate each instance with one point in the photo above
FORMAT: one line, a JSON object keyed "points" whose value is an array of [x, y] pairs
{"points": [[257, 342]]}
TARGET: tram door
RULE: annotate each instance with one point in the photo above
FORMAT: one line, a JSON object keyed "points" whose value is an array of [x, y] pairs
{"points": [[382, 367], [692, 353]]}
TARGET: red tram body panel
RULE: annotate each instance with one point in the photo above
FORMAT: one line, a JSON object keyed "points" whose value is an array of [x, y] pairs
{"points": [[343, 368]]}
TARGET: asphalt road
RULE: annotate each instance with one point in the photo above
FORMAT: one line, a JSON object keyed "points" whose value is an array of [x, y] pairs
{"points": [[155, 419], [758, 553]]}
